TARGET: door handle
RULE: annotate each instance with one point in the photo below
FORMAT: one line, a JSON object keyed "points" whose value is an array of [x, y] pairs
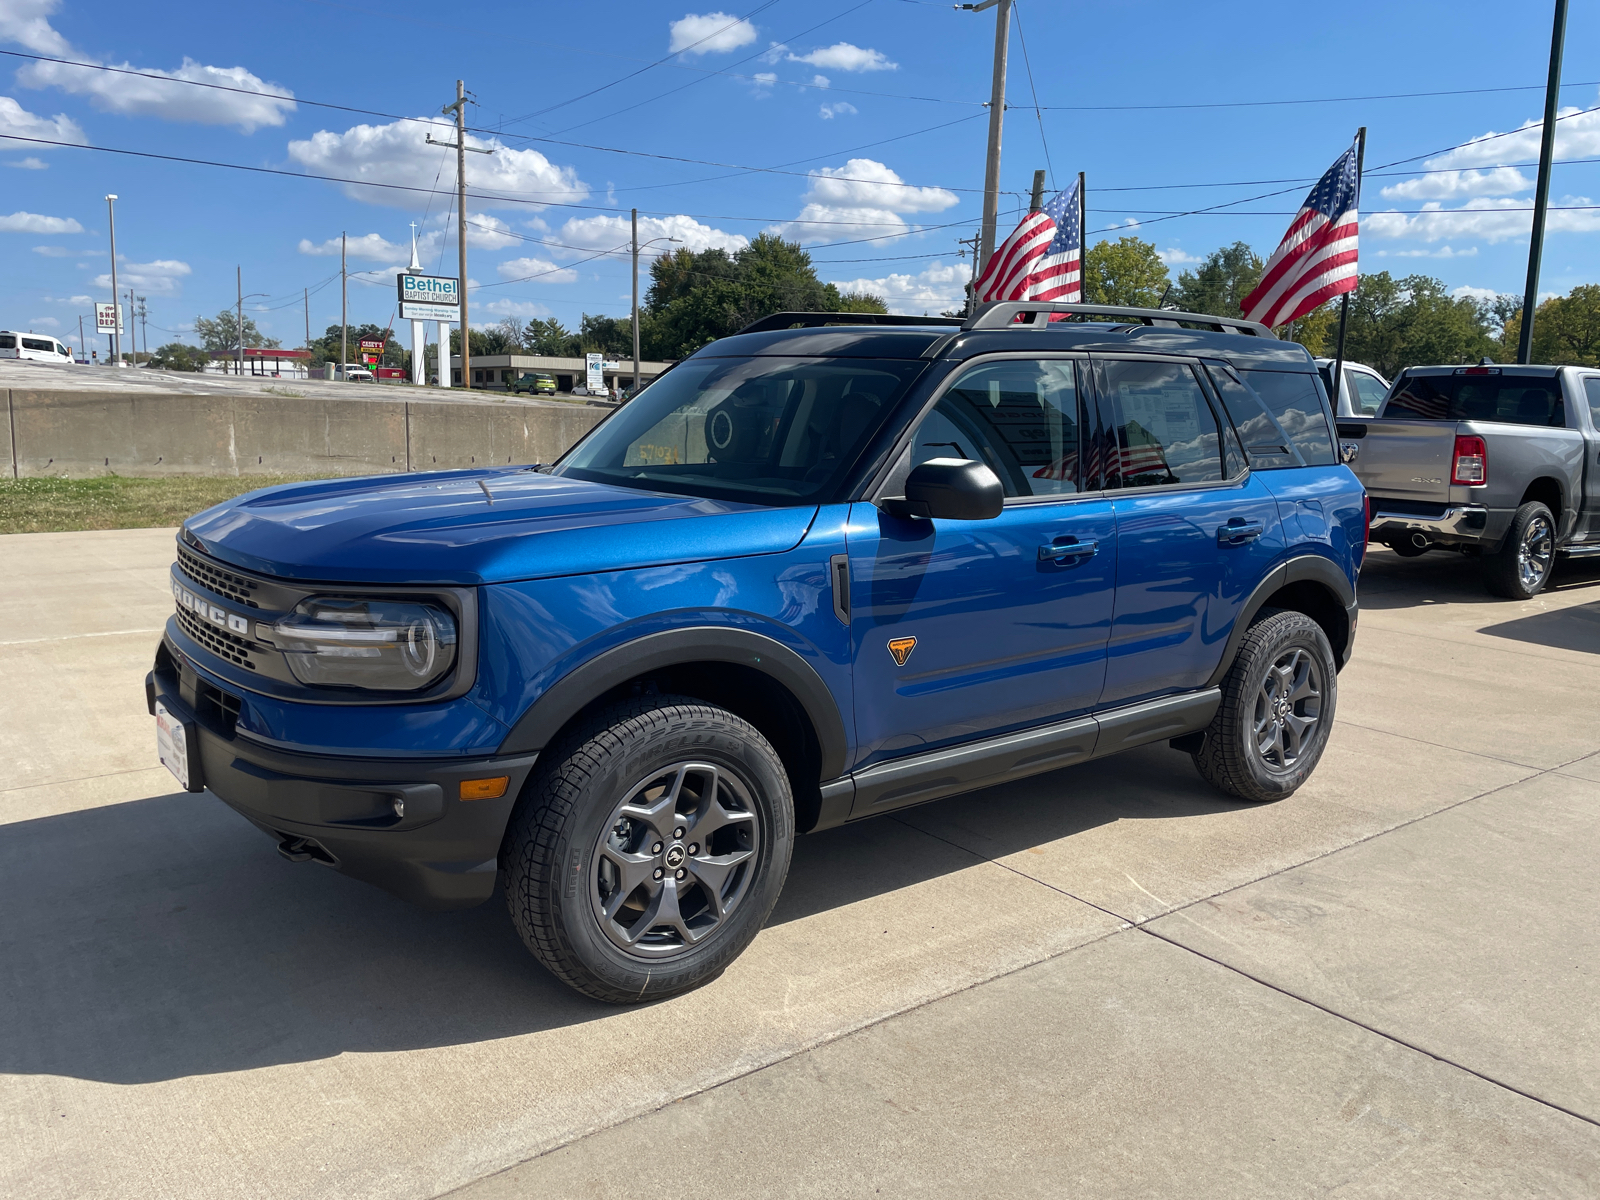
{"points": [[1239, 533], [1073, 549]]}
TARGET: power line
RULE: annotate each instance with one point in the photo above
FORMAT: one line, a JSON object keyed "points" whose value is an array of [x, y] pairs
{"points": [[1037, 111]]}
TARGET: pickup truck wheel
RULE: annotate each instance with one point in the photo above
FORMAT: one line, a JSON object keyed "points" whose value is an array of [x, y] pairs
{"points": [[649, 849], [1521, 567], [1276, 713]]}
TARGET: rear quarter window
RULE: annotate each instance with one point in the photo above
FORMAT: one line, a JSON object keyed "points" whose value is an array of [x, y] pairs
{"points": [[7, 342], [1296, 402]]}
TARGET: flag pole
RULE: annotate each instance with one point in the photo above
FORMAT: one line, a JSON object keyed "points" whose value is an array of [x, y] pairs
{"points": [[1344, 300], [1083, 239]]}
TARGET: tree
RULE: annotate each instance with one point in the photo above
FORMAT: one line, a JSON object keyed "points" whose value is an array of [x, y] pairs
{"points": [[176, 356], [1125, 272], [512, 333], [1399, 323], [1223, 279], [222, 334], [326, 348], [695, 298], [549, 338], [1566, 329]]}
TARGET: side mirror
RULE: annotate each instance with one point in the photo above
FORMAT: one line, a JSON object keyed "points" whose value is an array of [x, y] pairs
{"points": [[956, 489]]}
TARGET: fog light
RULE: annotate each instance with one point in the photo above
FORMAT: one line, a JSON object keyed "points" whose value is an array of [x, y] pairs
{"points": [[484, 789], [399, 807]]}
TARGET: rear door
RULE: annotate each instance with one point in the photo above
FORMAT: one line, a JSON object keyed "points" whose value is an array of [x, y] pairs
{"points": [[1591, 466], [1196, 531]]}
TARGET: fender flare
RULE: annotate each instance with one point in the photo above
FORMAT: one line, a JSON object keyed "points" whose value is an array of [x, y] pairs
{"points": [[1305, 567], [565, 698]]}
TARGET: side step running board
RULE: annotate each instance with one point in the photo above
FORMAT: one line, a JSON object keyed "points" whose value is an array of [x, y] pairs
{"points": [[955, 769]]}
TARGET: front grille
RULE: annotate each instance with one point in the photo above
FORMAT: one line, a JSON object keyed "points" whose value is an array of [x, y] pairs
{"points": [[223, 583], [219, 641], [216, 706]]}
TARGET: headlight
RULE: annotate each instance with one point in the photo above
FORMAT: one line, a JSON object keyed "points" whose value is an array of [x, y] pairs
{"points": [[383, 645]]}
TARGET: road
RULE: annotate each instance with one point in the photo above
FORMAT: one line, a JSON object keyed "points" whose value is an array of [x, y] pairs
{"points": [[1108, 981]]}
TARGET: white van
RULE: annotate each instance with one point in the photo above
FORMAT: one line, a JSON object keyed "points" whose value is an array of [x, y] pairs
{"points": [[33, 345]]}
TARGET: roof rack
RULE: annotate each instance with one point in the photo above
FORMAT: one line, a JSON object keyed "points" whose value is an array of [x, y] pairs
{"points": [[815, 320], [1024, 314]]}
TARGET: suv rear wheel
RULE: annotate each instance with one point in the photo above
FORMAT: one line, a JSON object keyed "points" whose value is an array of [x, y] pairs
{"points": [[1521, 567], [649, 848], [1276, 713]]}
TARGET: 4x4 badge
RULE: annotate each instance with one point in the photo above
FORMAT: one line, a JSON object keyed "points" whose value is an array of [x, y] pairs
{"points": [[901, 648]]}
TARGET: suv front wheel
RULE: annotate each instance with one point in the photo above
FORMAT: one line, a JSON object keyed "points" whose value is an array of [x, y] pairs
{"points": [[649, 848], [1276, 712]]}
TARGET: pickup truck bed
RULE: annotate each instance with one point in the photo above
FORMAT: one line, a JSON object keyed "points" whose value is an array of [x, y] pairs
{"points": [[1458, 457]]}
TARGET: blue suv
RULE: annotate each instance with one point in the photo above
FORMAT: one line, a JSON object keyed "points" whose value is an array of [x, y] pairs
{"points": [[823, 569]]}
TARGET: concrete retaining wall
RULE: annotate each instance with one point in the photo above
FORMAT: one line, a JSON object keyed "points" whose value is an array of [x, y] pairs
{"points": [[80, 434]]}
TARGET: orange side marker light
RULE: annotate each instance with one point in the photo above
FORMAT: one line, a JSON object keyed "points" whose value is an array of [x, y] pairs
{"points": [[484, 789]]}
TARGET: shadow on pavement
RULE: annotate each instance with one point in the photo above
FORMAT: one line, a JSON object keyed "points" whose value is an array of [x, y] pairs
{"points": [[1576, 628], [1447, 577], [165, 937]]}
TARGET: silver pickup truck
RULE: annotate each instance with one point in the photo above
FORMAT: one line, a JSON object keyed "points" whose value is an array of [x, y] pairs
{"points": [[1497, 461]]}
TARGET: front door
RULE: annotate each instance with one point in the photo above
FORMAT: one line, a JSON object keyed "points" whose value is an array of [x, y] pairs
{"points": [[1195, 530], [963, 629]]}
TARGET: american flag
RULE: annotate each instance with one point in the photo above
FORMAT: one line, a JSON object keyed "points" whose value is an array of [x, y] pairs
{"points": [[1042, 257], [1316, 260]]}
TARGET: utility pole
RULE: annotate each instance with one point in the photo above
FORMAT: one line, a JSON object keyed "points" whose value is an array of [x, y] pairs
{"points": [[459, 108], [636, 299], [116, 308], [344, 311], [238, 284], [81, 344], [144, 325], [1037, 202], [997, 116], [305, 295], [1541, 199], [972, 284]]}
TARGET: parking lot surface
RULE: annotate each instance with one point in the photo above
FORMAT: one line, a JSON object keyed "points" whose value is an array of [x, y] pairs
{"points": [[1107, 981]]}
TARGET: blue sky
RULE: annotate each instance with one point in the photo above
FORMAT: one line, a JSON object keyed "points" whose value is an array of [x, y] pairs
{"points": [[865, 119]]}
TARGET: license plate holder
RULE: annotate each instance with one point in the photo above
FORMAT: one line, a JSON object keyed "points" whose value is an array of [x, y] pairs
{"points": [[178, 748]]}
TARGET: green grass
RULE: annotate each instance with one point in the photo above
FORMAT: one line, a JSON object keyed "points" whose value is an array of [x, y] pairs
{"points": [[115, 501]]}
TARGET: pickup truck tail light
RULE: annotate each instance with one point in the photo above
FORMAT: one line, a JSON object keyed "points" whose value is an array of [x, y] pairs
{"points": [[1470, 466]]}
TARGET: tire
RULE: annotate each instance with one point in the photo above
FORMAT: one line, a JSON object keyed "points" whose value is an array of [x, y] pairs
{"points": [[619, 800], [1521, 567], [1277, 709]]}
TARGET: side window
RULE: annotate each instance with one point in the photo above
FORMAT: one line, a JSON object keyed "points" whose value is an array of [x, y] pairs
{"points": [[1297, 404], [1369, 392], [1165, 431], [1265, 443], [1591, 387], [1022, 418]]}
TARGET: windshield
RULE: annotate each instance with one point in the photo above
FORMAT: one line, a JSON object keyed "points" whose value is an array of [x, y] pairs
{"points": [[776, 431]]}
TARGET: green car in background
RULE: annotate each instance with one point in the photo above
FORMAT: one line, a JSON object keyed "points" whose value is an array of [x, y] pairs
{"points": [[535, 384]]}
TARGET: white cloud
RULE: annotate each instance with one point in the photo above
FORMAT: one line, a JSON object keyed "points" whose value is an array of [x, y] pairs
{"points": [[138, 96], [604, 233], [862, 199], [27, 222], [371, 246], [27, 24], [1175, 257], [762, 82], [30, 164], [830, 111], [56, 251], [43, 323], [820, 81], [19, 122], [710, 33], [934, 289], [504, 307], [80, 300], [1489, 219], [842, 56], [541, 269], [775, 52], [397, 154], [1577, 136], [163, 277], [1474, 293], [1457, 185], [1441, 252]]}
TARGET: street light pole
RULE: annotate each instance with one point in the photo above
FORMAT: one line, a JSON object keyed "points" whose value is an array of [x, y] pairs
{"points": [[116, 315], [344, 310], [997, 116], [238, 287], [1541, 198]]}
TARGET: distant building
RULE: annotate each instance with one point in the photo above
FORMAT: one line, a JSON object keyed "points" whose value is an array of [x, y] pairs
{"points": [[497, 371]]}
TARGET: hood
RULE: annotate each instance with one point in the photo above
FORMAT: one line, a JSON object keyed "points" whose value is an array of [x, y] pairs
{"points": [[440, 528]]}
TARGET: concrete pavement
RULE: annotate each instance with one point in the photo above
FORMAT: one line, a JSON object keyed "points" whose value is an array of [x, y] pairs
{"points": [[1105, 981]]}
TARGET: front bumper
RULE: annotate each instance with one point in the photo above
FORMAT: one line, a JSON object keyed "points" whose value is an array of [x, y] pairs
{"points": [[340, 811], [1461, 524]]}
